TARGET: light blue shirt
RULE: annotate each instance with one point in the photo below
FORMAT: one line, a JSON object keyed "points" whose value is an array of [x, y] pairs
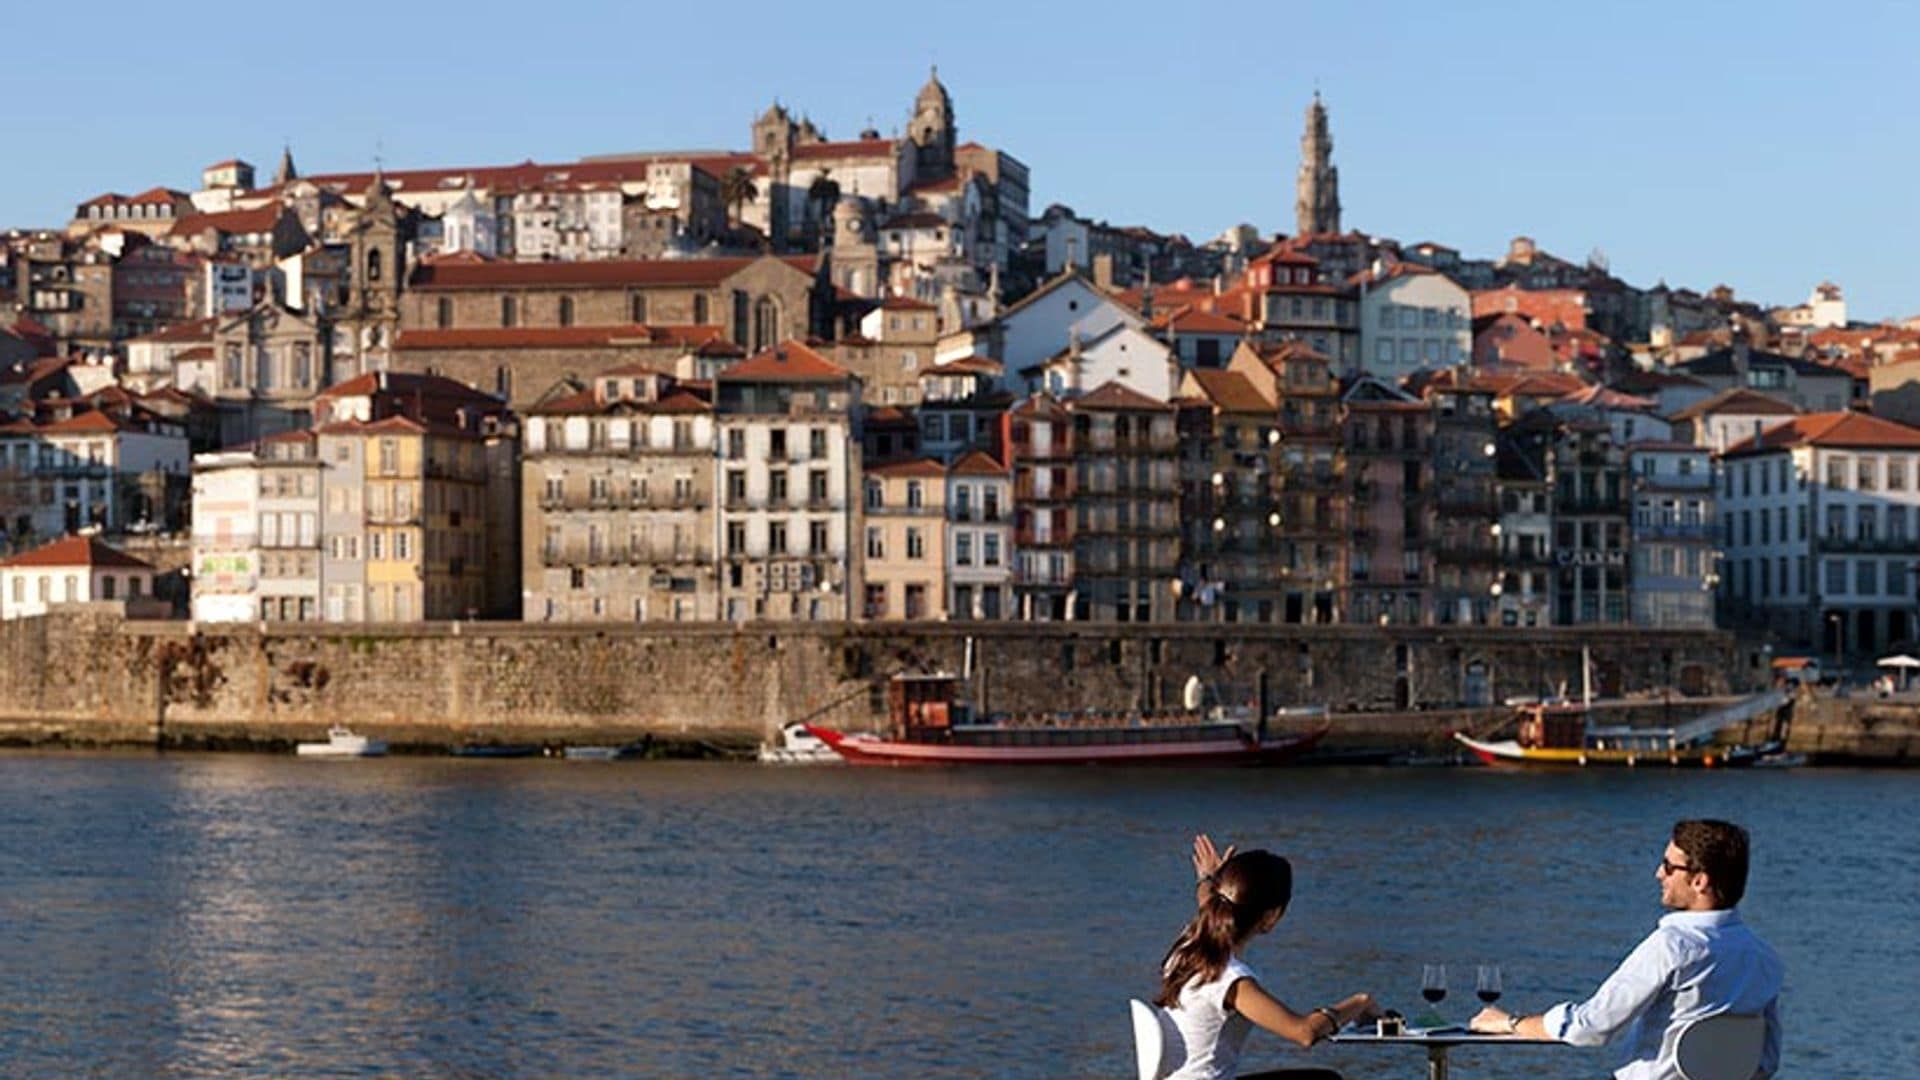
{"points": [[1695, 964]]}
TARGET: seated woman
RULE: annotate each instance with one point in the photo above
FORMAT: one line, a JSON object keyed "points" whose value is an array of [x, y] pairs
{"points": [[1213, 997]]}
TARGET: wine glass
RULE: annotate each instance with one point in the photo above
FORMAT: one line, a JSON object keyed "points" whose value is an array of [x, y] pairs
{"points": [[1488, 984], [1433, 983]]}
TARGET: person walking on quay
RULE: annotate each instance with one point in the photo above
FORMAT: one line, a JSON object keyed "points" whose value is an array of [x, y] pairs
{"points": [[1700, 961], [1213, 997]]}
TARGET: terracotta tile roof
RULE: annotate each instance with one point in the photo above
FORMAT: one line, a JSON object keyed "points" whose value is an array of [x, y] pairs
{"points": [[1601, 397], [644, 272], [855, 148], [1230, 391], [259, 220], [524, 337], [682, 401], [905, 303], [966, 365], [77, 551], [406, 384], [194, 330], [1739, 400], [789, 361], [1117, 396], [978, 463], [1190, 320], [1042, 405], [910, 467], [198, 352], [1840, 430]]}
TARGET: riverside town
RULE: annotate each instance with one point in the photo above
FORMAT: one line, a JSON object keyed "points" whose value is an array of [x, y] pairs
{"points": [[624, 437]]}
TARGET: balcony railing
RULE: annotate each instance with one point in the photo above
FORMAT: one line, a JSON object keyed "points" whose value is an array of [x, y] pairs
{"points": [[1866, 545]]}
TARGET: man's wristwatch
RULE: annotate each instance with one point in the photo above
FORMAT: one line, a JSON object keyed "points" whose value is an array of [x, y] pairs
{"points": [[1513, 1023]]}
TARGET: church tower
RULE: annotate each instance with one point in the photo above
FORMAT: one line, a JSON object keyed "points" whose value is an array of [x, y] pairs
{"points": [[377, 248], [932, 131], [1317, 205]]}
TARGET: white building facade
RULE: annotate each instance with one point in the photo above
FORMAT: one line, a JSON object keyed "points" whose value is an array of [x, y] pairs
{"points": [[1414, 319]]}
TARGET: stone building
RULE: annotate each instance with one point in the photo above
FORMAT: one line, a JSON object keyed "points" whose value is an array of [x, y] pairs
{"points": [[1675, 535], [787, 464], [617, 486], [755, 301], [1126, 506], [1229, 508], [421, 506], [895, 344], [1388, 438], [905, 565], [102, 460], [1412, 319], [263, 370], [1040, 445], [1306, 476], [1819, 527], [1466, 504], [979, 550], [75, 570], [257, 531], [523, 364]]}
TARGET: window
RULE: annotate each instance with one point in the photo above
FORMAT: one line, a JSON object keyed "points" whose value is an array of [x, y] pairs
{"points": [[876, 543], [403, 544], [990, 550], [1837, 473], [389, 457], [566, 311], [443, 312], [776, 538], [736, 486], [916, 543], [963, 549], [817, 487], [1836, 576], [817, 537], [876, 495], [1896, 474], [373, 265], [1865, 473], [736, 538], [736, 445], [700, 311], [776, 487], [817, 442], [915, 495], [1866, 576], [509, 315], [637, 308]]}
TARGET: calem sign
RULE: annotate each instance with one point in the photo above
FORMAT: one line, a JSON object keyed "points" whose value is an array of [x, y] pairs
{"points": [[226, 569]]}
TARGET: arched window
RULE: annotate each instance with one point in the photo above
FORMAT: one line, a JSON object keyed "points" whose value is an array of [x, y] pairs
{"points": [[373, 265], [766, 323]]}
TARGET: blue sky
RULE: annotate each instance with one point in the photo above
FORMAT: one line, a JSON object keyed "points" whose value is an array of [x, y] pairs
{"points": [[1762, 145]]}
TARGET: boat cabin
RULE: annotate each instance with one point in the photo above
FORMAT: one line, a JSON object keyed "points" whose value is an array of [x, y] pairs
{"points": [[1546, 725], [924, 708]]}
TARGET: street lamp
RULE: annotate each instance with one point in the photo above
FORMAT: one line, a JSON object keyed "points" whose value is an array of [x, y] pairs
{"points": [[1839, 638]]}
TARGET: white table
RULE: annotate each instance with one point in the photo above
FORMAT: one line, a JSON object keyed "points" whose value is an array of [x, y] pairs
{"points": [[1438, 1043]]}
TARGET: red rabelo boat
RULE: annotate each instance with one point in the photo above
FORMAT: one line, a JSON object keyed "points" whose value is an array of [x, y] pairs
{"points": [[928, 726]]}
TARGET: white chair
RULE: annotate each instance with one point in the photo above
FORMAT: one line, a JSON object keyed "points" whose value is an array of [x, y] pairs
{"points": [[1724, 1047], [1158, 1048]]}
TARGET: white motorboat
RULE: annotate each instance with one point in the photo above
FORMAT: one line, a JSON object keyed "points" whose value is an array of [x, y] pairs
{"points": [[798, 746], [342, 743]]}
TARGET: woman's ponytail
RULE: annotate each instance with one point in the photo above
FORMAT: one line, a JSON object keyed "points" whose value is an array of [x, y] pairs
{"points": [[1241, 893]]}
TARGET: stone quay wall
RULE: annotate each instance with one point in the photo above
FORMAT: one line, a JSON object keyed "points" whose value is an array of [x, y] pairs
{"points": [[88, 678]]}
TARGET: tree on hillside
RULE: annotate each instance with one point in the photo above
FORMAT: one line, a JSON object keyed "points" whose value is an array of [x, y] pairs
{"points": [[822, 195], [737, 189]]}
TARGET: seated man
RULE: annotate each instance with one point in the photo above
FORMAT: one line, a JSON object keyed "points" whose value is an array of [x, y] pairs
{"points": [[1700, 961]]}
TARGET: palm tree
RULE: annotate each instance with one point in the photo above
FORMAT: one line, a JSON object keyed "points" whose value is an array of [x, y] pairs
{"points": [[822, 194], [737, 189]]}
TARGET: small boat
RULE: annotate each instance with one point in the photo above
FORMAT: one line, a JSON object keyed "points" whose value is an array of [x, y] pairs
{"points": [[1563, 733], [625, 752], [798, 746], [492, 750], [929, 727], [342, 743]]}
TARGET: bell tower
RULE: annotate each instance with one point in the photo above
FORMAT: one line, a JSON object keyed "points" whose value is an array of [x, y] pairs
{"points": [[1317, 200], [932, 130]]}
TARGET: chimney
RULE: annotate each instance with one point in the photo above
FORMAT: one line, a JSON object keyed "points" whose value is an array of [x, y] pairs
{"points": [[1742, 354], [1103, 270]]}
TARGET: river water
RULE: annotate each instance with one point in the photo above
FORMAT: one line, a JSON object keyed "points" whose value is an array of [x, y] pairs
{"points": [[251, 915]]}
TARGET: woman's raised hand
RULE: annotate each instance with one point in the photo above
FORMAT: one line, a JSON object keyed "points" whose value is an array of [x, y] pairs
{"points": [[1206, 861]]}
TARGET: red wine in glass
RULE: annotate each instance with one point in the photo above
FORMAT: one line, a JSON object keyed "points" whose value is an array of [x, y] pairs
{"points": [[1487, 988], [1433, 983]]}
